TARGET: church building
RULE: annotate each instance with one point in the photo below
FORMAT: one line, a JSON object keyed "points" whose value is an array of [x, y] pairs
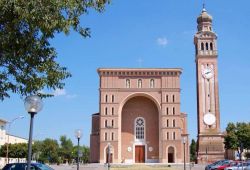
{"points": [[140, 118]]}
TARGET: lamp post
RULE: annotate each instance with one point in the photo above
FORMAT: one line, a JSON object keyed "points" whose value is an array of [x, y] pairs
{"points": [[108, 156], [78, 134], [8, 140], [33, 104], [184, 151]]}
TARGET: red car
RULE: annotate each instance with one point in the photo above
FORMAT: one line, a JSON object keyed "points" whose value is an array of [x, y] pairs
{"points": [[225, 165]]}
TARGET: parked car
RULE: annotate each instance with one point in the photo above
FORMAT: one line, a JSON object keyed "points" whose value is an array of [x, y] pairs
{"points": [[216, 164], [23, 166], [248, 166], [238, 166]]}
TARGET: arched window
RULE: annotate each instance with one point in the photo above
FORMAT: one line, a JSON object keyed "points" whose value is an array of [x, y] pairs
{"points": [[174, 123], [106, 123], [167, 123], [139, 128], [167, 135], [202, 46], [106, 111], [173, 135], [112, 136], [112, 123], [139, 85], [152, 83], [112, 111], [167, 111], [211, 46], [127, 83], [173, 110], [106, 136], [206, 46], [173, 98], [113, 98], [106, 98], [167, 98]]}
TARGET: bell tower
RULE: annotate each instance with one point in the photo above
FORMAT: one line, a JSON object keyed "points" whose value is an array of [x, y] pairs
{"points": [[210, 145]]}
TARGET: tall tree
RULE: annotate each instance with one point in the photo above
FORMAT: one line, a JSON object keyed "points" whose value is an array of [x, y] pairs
{"points": [[27, 60], [237, 134], [49, 151], [193, 151], [66, 149]]}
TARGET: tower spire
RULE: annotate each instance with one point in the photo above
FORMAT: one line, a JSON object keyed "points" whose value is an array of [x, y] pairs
{"points": [[203, 7]]}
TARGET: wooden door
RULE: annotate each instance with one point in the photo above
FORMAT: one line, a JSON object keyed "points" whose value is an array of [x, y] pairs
{"points": [[109, 158], [140, 154], [170, 158]]}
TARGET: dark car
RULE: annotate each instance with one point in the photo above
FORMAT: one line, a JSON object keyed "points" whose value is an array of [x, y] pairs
{"points": [[216, 164], [23, 166]]}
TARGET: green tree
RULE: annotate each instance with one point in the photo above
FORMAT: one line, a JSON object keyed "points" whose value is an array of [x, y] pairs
{"points": [[18, 150], [49, 151], [193, 151], [85, 153], [27, 60], [66, 148], [237, 134]]}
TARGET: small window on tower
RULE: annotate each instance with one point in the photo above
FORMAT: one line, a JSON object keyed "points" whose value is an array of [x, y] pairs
{"points": [[206, 46], [202, 46], [113, 98], [211, 46]]}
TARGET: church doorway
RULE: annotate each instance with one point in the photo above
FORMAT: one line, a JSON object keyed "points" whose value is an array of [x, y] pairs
{"points": [[140, 154], [171, 154]]}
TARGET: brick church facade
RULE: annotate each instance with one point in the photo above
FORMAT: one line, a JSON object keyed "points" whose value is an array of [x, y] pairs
{"points": [[140, 118]]}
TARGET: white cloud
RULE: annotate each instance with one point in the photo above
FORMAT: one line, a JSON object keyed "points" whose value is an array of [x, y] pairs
{"points": [[162, 41], [60, 92]]}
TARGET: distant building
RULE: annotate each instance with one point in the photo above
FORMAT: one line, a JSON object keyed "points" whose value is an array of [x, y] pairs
{"points": [[8, 138], [139, 117]]}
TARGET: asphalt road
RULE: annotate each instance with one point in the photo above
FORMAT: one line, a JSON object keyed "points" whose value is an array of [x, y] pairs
{"points": [[104, 167]]}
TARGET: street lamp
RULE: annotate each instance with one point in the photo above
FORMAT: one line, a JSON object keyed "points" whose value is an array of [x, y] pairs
{"points": [[8, 140], [32, 104], [184, 151], [78, 134]]}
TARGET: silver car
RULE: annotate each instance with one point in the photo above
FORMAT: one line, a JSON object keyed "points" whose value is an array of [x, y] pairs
{"points": [[239, 166]]}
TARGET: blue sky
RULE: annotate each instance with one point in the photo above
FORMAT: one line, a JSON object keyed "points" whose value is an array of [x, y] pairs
{"points": [[148, 34]]}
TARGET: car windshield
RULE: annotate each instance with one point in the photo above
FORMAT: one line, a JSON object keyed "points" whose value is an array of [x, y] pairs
{"points": [[43, 167]]}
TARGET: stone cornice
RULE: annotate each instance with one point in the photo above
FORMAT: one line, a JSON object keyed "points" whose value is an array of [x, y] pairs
{"points": [[140, 89], [135, 72]]}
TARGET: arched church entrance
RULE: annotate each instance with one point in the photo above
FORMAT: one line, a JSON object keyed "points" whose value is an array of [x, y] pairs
{"points": [[140, 130], [171, 154]]}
